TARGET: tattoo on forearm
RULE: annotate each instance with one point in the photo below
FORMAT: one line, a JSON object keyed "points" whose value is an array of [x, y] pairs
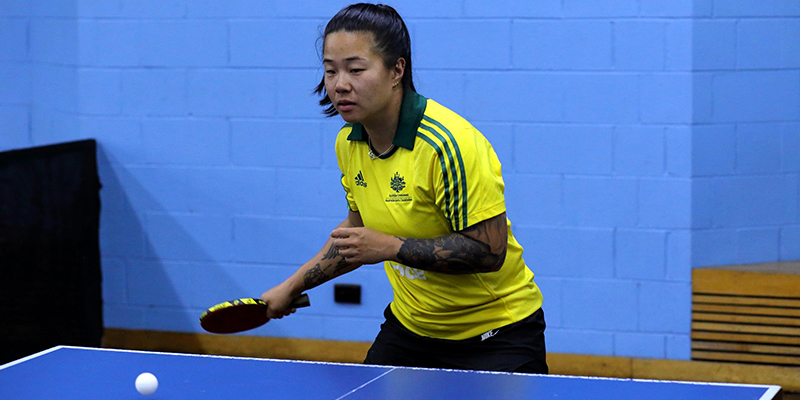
{"points": [[323, 272], [340, 267], [479, 248], [314, 277], [332, 253]]}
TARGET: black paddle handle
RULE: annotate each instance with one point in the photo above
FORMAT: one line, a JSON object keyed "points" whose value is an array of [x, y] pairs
{"points": [[300, 301]]}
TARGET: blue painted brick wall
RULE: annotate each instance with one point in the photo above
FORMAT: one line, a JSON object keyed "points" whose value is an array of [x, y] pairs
{"points": [[15, 75], [460, 55], [539, 44], [713, 44], [14, 36], [258, 143], [749, 96], [587, 253], [768, 8], [768, 43], [518, 9], [639, 45], [639, 345], [253, 43], [588, 99], [678, 255], [15, 121], [678, 42], [664, 307], [570, 149], [54, 41], [638, 138], [190, 43], [664, 203], [600, 201], [132, 9], [678, 151], [225, 92], [666, 98], [538, 95], [758, 148], [17, 80], [656, 8], [639, 150], [101, 41], [617, 297], [606, 9], [640, 254]]}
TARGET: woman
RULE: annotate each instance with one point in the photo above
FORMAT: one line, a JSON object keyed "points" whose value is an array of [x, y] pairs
{"points": [[425, 196]]}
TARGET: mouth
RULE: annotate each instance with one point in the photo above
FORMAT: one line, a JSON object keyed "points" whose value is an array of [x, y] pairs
{"points": [[344, 105]]}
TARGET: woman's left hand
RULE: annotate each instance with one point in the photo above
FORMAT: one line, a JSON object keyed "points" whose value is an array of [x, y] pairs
{"points": [[365, 245]]}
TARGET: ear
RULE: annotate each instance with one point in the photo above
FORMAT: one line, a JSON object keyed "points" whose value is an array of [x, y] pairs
{"points": [[399, 70]]}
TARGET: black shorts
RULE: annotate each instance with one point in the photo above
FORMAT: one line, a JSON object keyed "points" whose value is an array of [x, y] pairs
{"points": [[517, 347]]}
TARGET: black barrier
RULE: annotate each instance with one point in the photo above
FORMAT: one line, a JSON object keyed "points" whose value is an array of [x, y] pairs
{"points": [[50, 279]]}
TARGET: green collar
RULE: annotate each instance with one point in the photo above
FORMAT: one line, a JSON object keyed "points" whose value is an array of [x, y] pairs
{"points": [[411, 111]]}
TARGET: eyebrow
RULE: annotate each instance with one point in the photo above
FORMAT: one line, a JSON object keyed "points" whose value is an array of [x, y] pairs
{"points": [[348, 59]]}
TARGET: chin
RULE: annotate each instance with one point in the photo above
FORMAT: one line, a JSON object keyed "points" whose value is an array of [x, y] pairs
{"points": [[349, 117]]}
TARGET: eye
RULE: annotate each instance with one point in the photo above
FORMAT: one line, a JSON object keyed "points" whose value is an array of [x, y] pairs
{"points": [[356, 70], [329, 72]]}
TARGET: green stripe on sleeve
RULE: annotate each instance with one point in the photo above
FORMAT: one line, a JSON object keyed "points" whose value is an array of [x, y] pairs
{"points": [[455, 217], [341, 180], [439, 151], [460, 161]]}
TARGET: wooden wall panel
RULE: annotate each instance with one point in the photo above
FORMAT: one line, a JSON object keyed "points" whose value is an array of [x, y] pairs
{"points": [[747, 313]]}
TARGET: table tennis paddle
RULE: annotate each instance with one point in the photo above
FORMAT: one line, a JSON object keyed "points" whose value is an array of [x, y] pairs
{"points": [[241, 314]]}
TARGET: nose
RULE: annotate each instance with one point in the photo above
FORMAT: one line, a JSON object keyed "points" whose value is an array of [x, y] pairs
{"points": [[342, 84]]}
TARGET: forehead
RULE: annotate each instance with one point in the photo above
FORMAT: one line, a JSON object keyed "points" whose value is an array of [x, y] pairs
{"points": [[342, 45]]}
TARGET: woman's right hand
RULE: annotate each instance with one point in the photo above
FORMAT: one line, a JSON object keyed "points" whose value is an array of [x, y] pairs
{"points": [[278, 301]]}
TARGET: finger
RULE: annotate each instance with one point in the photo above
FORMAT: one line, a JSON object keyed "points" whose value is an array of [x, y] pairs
{"points": [[348, 252], [273, 314], [339, 233], [342, 232], [342, 244], [351, 256]]}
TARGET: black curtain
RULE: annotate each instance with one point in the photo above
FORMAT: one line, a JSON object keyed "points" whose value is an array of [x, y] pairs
{"points": [[50, 280]]}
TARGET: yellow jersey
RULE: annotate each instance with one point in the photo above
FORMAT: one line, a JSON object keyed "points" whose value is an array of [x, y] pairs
{"points": [[442, 177]]}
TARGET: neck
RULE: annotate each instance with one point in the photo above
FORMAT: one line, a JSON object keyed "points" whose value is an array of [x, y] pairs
{"points": [[381, 132]]}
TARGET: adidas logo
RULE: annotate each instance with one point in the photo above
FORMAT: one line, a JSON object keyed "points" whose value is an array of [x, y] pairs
{"points": [[360, 180]]}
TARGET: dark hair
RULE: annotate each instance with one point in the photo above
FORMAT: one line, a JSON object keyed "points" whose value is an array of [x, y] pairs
{"points": [[392, 40]]}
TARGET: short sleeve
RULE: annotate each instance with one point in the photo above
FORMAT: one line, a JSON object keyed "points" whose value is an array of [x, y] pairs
{"points": [[351, 203], [485, 186], [469, 184], [342, 158]]}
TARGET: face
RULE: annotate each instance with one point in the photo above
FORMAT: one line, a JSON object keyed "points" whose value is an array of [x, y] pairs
{"points": [[356, 78]]}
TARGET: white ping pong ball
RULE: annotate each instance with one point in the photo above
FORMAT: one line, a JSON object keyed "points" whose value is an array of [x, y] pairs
{"points": [[146, 383]]}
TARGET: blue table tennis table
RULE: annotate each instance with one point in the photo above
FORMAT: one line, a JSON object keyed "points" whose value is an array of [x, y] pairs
{"points": [[87, 373]]}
